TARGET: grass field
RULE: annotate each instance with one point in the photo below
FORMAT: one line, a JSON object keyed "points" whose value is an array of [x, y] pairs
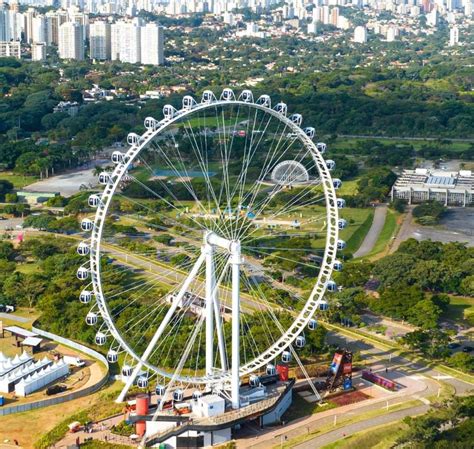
{"points": [[382, 437], [461, 309], [348, 188], [30, 426], [358, 236], [18, 181]]}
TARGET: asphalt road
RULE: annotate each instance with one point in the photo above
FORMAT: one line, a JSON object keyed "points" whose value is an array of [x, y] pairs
{"points": [[371, 238], [339, 434]]}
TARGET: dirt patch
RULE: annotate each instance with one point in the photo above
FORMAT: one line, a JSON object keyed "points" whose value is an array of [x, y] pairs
{"points": [[349, 398]]}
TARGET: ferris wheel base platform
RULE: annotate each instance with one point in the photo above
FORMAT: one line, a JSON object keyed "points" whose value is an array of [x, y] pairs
{"points": [[192, 431]]}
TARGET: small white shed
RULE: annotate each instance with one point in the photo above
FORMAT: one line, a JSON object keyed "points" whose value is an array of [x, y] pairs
{"points": [[210, 405]]}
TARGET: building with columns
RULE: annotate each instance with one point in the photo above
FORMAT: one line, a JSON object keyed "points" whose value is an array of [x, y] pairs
{"points": [[449, 188]]}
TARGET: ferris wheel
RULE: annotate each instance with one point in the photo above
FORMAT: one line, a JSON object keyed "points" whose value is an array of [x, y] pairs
{"points": [[212, 246]]}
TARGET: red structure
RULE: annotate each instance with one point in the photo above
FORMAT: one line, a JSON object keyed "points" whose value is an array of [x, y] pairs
{"points": [[282, 370], [379, 380], [142, 403]]}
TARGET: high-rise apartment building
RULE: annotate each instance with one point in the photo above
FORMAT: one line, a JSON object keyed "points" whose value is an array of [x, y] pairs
{"points": [[152, 44], [100, 40], [38, 51], [130, 42], [54, 21], [4, 23], [360, 34], [39, 29], [453, 36], [71, 41]]}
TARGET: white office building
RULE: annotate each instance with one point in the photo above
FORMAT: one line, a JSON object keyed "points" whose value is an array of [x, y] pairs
{"points": [[100, 40], [71, 41], [449, 188], [152, 44], [360, 34]]}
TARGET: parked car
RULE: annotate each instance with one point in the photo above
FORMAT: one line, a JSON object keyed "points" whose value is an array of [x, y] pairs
{"points": [[55, 389], [7, 308], [453, 345], [467, 349]]}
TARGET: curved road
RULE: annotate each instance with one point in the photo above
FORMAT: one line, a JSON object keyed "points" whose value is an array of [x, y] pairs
{"points": [[339, 434], [372, 236]]}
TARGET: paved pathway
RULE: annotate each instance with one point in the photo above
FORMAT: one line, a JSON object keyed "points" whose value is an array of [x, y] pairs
{"points": [[10, 316], [374, 232], [339, 434]]}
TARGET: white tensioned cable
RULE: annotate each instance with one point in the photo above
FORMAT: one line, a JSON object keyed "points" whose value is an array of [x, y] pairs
{"points": [[329, 257]]}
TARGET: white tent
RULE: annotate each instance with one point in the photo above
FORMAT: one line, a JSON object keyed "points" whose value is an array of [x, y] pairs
{"points": [[41, 378]]}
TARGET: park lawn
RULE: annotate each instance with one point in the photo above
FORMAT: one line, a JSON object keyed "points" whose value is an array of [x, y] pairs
{"points": [[460, 309], [348, 188], [358, 236], [18, 181], [392, 223], [300, 408], [382, 437], [358, 224]]}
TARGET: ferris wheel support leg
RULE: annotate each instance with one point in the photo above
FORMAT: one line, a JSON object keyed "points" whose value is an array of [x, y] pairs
{"points": [[210, 294], [220, 333], [177, 300], [235, 379]]}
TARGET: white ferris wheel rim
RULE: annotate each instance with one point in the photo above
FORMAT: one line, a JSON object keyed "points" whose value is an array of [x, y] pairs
{"points": [[154, 129]]}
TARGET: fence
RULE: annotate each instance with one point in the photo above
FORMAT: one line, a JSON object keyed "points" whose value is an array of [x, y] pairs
{"points": [[68, 397]]}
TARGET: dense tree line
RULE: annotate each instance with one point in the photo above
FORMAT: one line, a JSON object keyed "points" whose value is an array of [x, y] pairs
{"points": [[447, 425]]}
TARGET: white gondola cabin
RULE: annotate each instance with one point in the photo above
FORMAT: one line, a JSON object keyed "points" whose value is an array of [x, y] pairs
{"points": [[330, 164], [85, 297], [104, 178], [300, 341], [94, 200], [270, 369], [87, 225], [323, 305], [112, 356], [82, 273], [178, 395], [341, 244], [142, 381], [100, 338], [91, 318], [83, 249], [312, 324], [321, 147], [331, 286], [254, 381], [286, 356]]}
